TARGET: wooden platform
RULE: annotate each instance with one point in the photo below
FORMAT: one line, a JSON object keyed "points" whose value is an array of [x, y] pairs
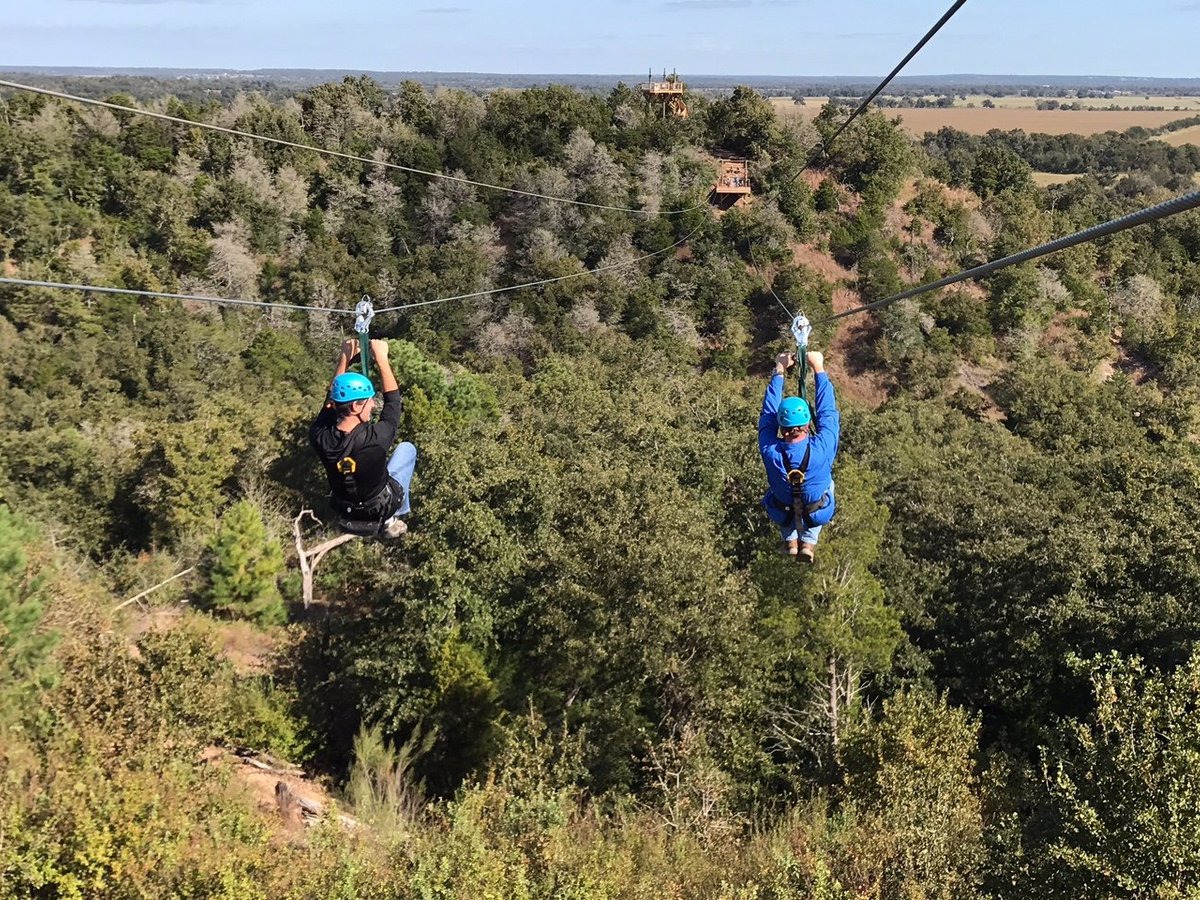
{"points": [[734, 177], [659, 88]]}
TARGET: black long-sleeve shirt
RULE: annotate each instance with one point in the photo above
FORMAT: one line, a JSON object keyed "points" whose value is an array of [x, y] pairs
{"points": [[356, 461]]}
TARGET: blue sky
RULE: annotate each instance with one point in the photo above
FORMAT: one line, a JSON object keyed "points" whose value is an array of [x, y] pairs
{"points": [[742, 37]]}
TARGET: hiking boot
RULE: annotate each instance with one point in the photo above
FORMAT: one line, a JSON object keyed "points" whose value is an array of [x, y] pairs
{"points": [[789, 548], [806, 553], [393, 528]]}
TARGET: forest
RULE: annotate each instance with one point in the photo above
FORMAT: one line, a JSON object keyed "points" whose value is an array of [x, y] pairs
{"points": [[585, 672]]}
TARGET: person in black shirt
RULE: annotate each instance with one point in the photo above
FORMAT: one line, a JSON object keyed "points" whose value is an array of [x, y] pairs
{"points": [[369, 487]]}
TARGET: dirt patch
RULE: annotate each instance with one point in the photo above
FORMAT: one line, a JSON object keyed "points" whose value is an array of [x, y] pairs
{"points": [[1059, 333], [277, 787], [972, 289], [1104, 371], [975, 379], [850, 354], [1046, 179], [154, 619], [967, 198], [249, 649], [820, 262], [896, 222], [813, 178], [1139, 369], [908, 192], [9, 268]]}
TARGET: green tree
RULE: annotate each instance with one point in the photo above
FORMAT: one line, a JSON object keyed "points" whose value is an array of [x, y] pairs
{"points": [[910, 778], [243, 566], [826, 632], [797, 203], [185, 477], [26, 667], [414, 106], [874, 157], [743, 124], [1117, 807]]}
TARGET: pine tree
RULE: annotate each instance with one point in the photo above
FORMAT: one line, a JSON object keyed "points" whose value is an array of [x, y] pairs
{"points": [[25, 646], [243, 565]]}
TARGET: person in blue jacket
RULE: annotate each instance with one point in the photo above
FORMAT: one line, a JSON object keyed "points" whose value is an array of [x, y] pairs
{"points": [[798, 454]]}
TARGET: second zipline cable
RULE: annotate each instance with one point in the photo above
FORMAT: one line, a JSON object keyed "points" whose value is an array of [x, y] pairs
{"points": [[1180, 204]]}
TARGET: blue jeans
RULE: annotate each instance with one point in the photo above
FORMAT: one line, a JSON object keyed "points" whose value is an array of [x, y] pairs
{"points": [[809, 535], [400, 467]]}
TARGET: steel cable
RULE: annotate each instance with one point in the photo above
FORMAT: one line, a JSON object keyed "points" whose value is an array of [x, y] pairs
{"points": [[822, 148], [1173, 207], [227, 301], [220, 301], [335, 153]]}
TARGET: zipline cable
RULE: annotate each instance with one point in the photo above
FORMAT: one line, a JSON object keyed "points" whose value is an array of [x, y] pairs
{"points": [[226, 301], [770, 287], [531, 284], [335, 153], [1183, 203], [823, 147], [220, 301]]}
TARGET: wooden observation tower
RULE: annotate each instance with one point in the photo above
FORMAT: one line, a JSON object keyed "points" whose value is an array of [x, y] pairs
{"points": [[668, 92]]}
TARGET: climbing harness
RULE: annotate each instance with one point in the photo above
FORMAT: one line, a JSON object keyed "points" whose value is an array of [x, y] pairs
{"points": [[364, 312], [796, 476], [366, 519]]}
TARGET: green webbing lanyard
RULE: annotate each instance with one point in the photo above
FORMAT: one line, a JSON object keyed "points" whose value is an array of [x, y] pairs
{"points": [[364, 312], [801, 330]]}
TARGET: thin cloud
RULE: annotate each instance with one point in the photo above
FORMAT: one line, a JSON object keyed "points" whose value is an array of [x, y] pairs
{"points": [[727, 4], [148, 2]]}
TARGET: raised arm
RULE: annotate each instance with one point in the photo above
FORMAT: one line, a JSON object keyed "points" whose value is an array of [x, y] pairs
{"points": [[828, 420], [389, 419], [345, 355], [379, 350], [767, 422]]}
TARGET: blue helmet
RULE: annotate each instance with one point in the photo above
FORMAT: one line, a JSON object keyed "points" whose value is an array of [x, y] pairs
{"points": [[350, 386], [793, 413]]}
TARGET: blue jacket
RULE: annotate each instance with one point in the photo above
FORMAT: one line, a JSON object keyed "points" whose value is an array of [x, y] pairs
{"points": [[778, 457]]}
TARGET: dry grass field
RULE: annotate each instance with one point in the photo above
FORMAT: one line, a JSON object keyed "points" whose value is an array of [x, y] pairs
{"points": [[1183, 136], [1185, 105], [1045, 179], [1033, 121]]}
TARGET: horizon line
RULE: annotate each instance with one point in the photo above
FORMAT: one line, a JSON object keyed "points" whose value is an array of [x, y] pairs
{"points": [[998, 77]]}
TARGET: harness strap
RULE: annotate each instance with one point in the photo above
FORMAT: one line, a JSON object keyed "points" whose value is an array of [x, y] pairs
{"points": [[378, 506], [796, 476], [808, 508]]}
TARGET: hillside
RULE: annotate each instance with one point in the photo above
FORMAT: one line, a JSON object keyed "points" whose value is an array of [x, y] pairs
{"points": [[585, 671]]}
